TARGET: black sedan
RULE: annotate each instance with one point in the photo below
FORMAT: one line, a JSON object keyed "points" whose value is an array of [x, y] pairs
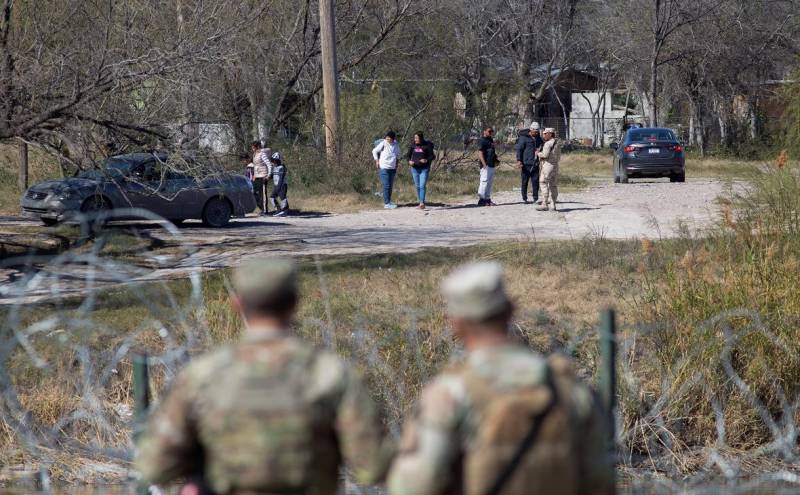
{"points": [[142, 180], [649, 152]]}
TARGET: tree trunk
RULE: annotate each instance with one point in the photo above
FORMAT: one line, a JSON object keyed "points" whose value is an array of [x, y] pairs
{"points": [[722, 121], [564, 115], [22, 178], [190, 129], [699, 128], [603, 121], [753, 117], [653, 103]]}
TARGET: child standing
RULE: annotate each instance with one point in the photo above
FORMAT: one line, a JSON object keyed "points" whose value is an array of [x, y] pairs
{"points": [[279, 185]]}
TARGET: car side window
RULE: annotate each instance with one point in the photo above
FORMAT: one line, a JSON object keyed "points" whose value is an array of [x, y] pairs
{"points": [[159, 171], [138, 171]]}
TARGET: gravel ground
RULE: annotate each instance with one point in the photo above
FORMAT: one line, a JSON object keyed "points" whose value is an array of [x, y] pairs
{"points": [[618, 211], [650, 209]]}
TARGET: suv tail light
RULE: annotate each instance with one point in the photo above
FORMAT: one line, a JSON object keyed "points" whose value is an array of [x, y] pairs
{"points": [[630, 149], [677, 148]]}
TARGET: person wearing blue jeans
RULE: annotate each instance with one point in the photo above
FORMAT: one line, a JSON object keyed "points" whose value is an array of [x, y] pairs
{"points": [[420, 156], [386, 155], [387, 179]]}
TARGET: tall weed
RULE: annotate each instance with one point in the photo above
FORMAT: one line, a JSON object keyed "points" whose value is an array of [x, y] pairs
{"points": [[746, 270]]}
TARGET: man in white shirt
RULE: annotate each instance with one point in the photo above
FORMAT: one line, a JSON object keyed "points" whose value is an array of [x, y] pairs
{"points": [[386, 155]]}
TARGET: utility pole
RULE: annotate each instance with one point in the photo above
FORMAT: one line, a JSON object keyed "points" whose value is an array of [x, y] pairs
{"points": [[330, 79]]}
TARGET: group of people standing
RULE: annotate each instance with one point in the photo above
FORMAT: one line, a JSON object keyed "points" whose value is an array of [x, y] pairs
{"points": [[420, 156], [537, 158], [273, 414], [267, 164]]}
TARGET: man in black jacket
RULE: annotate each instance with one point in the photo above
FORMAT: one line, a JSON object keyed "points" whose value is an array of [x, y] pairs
{"points": [[528, 143]]}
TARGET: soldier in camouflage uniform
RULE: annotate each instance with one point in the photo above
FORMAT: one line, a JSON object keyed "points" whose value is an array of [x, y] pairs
{"points": [[501, 402], [549, 157], [269, 414]]}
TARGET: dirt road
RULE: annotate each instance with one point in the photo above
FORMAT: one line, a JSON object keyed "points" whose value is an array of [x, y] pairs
{"points": [[618, 211]]}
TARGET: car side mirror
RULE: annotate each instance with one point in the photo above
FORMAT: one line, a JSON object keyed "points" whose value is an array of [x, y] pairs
{"points": [[614, 146]]}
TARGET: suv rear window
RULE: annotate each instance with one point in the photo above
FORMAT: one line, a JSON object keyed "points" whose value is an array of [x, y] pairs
{"points": [[645, 135]]}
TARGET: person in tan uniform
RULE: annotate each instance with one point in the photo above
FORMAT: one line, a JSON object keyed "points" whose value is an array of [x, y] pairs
{"points": [[505, 420], [269, 414], [549, 157]]}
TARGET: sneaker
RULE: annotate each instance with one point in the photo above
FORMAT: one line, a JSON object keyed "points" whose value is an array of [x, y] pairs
{"points": [[389, 206], [264, 214], [282, 213], [489, 202], [421, 206], [481, 202], [542, 208]]}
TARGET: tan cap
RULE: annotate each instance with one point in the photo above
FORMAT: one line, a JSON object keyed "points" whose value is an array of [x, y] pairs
{"points": [[475, 291], [549, 129], [265, 279]]}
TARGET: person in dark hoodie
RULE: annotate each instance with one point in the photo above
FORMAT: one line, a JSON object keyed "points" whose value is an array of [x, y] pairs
{"points": [[528, 143], [420, 156]]}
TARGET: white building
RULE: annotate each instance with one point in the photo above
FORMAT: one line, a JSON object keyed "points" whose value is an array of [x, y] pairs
{"points": [[594, 114]]}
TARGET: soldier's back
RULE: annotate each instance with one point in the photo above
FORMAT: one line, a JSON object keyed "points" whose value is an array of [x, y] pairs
{"points": [[500, 394], [270, 415]]}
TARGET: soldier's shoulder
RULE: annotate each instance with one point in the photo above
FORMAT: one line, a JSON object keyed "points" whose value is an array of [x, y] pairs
{"points": [[329, 372], [451, 382], [577, 393], [209, 364]]}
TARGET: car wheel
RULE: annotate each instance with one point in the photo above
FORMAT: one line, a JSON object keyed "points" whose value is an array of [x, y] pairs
{"points": [[217, 212], [49, 221], [681, 177]]}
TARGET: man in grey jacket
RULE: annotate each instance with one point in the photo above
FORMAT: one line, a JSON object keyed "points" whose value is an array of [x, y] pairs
{"points": [[528, 143]]}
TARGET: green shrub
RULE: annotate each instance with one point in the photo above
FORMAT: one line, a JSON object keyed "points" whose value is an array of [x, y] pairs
{"points": [[792, 117]]}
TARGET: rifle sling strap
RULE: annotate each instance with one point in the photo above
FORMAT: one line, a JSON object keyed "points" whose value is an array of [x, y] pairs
{"points": [[525, 445]]}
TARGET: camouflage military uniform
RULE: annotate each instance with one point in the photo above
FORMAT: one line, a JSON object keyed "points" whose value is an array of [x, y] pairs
{"points": [[548, 173], [267, 415], [444, 449]]}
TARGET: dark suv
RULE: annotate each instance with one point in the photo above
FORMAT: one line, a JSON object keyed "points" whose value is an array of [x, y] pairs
{"points": [[649, 152]]}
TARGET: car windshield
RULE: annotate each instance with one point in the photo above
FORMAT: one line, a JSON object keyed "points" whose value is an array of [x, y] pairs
{"points": [[647, 135]]}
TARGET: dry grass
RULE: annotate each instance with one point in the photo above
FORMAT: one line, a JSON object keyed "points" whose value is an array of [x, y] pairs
{"points": [[383, 296]]}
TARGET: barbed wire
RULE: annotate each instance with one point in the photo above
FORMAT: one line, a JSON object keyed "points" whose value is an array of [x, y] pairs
{"points": [[65, 367]]}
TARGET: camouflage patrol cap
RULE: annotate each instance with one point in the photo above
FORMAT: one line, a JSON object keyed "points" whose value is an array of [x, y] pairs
{"points": [[262, 280], [476, 291]]}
